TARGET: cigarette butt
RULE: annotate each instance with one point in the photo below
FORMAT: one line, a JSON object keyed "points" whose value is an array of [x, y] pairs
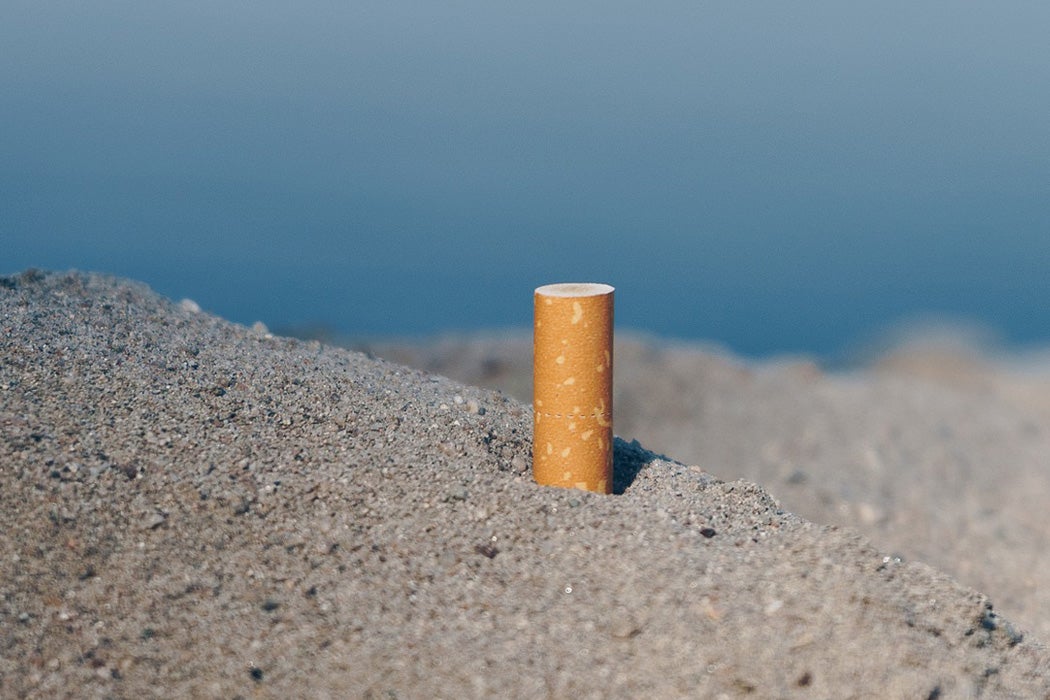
{"points": [[572, 386]]}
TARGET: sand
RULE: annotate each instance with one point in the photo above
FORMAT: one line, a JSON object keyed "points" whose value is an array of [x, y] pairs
{"points": [[192, 508], [937, 450]]}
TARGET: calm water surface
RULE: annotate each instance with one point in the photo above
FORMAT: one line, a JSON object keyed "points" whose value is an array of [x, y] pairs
{"points": [[773, 178]]}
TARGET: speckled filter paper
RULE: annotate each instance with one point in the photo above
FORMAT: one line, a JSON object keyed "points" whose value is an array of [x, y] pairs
{"points": [[572, 386]]}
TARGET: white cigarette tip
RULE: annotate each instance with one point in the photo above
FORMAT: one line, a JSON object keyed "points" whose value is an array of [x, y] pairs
{"points": [[574, 289]]}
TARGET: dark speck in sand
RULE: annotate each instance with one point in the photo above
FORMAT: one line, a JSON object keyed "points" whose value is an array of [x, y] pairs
{"points": [[487, 550], [708, 532], [256, 674]]}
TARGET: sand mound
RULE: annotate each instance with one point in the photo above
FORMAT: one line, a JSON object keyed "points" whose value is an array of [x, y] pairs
{"points": [[192, 508], [937, 451]]}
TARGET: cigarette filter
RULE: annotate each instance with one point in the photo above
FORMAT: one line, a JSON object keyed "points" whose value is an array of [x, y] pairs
{"points": [[572, 386]]}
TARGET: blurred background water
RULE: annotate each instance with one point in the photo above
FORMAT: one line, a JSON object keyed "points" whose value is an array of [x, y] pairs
{"points": [[774, 177]]}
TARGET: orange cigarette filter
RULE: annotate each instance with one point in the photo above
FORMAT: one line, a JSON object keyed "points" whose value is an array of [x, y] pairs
{"points": [[572, 382]]}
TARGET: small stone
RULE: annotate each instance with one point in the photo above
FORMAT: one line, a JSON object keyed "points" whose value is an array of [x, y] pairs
{"points": [[473, 407], [152, 521], [487, 550], [457, 494], [190, 306]]}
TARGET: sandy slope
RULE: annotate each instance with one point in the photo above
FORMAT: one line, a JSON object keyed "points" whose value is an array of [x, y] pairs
{"points": [[191, 508], [935, 452]]}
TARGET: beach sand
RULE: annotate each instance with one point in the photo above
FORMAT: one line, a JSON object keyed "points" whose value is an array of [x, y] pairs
{"points": [[192, 508], [936, 450]]}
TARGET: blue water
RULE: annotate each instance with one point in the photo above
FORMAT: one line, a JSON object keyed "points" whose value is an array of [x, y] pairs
{"points": [[772, 177]]}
